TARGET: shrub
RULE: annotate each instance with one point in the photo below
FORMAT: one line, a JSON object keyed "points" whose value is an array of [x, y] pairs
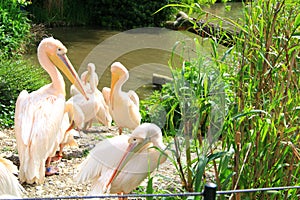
{"points": [[14, 77], [110, 14], [14, 28]]}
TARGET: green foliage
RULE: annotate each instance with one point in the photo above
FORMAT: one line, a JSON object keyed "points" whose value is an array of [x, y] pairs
{"points": [[260, 133], [129, 14], [110, 14], [14, 28], [263, 123], [15, 76], [193, 107]]}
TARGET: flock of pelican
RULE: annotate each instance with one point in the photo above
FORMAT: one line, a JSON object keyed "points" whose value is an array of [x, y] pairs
{"points": [[45, 122]]}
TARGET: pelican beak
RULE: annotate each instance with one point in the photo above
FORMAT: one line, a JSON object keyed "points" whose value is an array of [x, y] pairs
{"points": [[114, 79], [63, 63], [133, 148]]}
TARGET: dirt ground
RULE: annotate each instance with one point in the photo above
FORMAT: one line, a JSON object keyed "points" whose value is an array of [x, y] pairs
{"points": [[165, 178]]}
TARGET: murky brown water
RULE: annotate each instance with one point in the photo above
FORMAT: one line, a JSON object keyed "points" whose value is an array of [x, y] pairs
{"points": [[142, 51]]}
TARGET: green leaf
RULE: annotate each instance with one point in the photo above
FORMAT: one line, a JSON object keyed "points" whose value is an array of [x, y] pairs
{"points": [[297, 21], [149, 189], [199, 172], [250, 112], [216, 155]]}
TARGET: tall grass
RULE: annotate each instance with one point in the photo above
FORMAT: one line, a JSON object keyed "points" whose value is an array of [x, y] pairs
{"points": [[260, 135], [263, 126]]}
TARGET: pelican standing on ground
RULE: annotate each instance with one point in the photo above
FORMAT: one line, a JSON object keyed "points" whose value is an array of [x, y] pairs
{"points": [[124, 106], [95, 107], [9, 184], [66, 130], [38, 115], [120, 164]]}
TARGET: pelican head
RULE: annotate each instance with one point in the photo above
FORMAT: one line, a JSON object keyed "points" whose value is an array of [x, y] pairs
{"points": [[146, 133], [118, 71], [143, 137], [56, 52], [91, 69]]}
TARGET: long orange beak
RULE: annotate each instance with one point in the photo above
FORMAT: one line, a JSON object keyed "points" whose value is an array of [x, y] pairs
{"points": [[64, 64]]}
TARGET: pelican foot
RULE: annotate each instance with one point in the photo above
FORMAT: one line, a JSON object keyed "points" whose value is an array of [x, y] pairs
{"points": [[52, 171]]}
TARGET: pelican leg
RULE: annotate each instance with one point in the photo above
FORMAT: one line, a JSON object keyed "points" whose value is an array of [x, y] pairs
{"points": [[59, 154], [50, 170], [120, 131]]}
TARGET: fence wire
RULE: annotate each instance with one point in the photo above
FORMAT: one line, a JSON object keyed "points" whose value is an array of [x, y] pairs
{"points": [[187, 194]]}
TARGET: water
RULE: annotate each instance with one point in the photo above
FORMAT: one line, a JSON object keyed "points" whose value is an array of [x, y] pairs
{"points": [[142, 51]]}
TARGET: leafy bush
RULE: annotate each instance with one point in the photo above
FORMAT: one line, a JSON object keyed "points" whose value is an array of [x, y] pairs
{"points": [[16, 76], [111, 14], [15, 73], [129, 14], [14, 28], [192, 105]]}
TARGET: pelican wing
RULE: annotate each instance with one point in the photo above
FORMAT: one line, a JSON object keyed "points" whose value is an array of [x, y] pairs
{"points": [[103, 115], [38, 118], [89, 107], [22, 117], [98, 167], [9, 184], [134, 98], [133, 107]]}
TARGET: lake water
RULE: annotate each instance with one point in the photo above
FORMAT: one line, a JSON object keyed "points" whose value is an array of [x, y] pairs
{"points": [[142, 51]]}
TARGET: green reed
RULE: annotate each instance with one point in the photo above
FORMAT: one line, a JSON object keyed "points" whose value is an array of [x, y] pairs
{"points": [[263, 123], [260, 133]]}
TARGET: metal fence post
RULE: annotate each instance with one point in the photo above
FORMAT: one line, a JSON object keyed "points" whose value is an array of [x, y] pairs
{"points": [[210, 190]]}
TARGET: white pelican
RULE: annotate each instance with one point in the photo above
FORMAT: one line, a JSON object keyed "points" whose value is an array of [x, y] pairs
{"points": [[90, 74], [95, 107], [66, 135], [9, 184], [120, 164], [38, 115], [124, 106], [103, 116], [86, 78]]}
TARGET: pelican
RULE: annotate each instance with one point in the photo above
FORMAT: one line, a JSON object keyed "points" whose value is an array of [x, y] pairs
{"points": [[66, 135], [38, 115], [103, 116], [120, 164], [95, 107], [124, 106], [9, 184], [85, 78]]}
